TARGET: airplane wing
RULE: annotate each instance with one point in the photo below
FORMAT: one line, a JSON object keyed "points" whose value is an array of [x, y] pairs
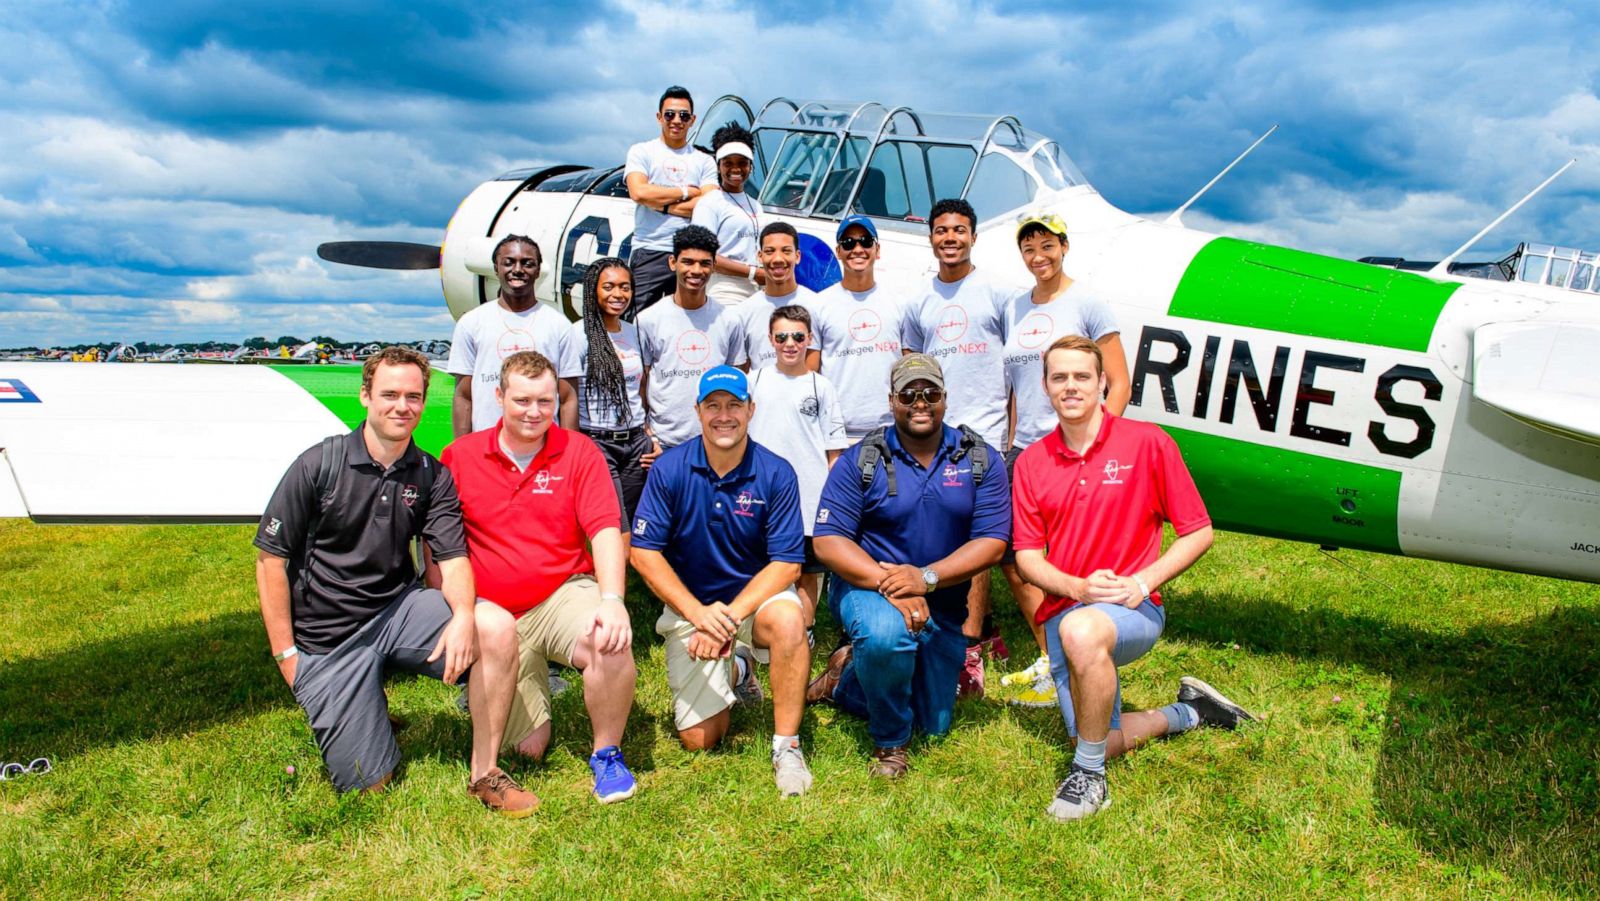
{"points": [[153, 443], [1542, 373]]}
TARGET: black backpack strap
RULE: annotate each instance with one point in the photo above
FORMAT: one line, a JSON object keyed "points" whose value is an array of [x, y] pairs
{"points": [[874, 449], [322, 486], [976, 450]]}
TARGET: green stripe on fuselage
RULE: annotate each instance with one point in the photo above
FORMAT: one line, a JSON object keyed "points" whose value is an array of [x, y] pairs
{"points": [[1288, 494], [1299, 293], [339, 389]]}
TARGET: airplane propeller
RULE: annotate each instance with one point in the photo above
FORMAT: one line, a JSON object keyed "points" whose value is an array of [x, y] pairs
{"points": [[381, 254]]}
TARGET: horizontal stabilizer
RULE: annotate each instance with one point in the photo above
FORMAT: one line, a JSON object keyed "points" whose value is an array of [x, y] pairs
{"points": [[1543, 373], [87, 442]]}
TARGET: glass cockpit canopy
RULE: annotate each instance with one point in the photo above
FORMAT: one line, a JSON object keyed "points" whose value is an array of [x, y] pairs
{"points": [[829, 158]]}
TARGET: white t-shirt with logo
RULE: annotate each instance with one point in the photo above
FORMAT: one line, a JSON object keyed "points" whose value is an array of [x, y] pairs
{"points": [[678, 346], [598, 411], [485, 336], [1032, 329], [736, 221], [963, 326], [859, 336], [662, 166], [755, 321], [798, 418]]}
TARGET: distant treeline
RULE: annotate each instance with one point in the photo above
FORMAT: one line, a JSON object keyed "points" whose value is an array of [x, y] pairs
{"points": [[149, 347]]}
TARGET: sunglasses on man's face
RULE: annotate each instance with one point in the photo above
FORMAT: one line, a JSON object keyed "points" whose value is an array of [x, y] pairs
{"points": [[908, 397], [866, 241], [786, 337], [682, 115]]}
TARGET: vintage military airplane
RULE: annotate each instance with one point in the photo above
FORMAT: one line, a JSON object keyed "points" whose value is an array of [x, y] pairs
{"points": [[1316, 399]]}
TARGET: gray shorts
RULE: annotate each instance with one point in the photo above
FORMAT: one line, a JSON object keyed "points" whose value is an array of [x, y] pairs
{"points": [[342, 690]]}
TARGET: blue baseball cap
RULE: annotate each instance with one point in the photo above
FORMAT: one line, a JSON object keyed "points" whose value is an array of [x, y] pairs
{"points": [[855, 219], [723, 378]]}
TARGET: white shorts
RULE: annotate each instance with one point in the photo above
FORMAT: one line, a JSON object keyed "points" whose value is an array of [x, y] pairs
{"points": [[701, 689]]}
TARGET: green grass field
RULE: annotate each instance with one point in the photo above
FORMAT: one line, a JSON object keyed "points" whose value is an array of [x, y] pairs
{"points": [[1431, 730]]}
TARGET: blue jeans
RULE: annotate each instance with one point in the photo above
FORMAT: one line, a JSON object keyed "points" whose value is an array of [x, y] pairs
{"points": [[897, 678], [1137, 631]]}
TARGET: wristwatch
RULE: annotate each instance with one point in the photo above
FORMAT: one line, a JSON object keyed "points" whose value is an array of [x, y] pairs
{"points": [[930, 579], [1142, 586]]}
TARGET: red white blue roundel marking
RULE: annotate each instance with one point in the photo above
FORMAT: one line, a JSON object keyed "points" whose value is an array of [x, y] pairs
{"points": [[12, 391]]}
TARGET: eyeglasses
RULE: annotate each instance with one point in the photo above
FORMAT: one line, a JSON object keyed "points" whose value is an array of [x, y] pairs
{"points": [[786, 337], [1055, 224], [908, 397], [682, 115], [39, 767], [852, 243]]}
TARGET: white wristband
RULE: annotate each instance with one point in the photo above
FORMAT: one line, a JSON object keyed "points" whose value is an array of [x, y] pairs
{"points": [[750, 274], [611, 596], [286, 653], [1142, 587], [684, 190]]}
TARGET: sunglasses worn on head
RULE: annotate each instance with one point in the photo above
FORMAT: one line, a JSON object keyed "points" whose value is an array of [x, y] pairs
{"points": [[786, 337], [682, 115], [852, 243], [909, 396]]}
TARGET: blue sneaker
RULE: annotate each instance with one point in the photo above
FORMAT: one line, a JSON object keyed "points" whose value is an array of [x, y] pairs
{"points": [[613, 781]]}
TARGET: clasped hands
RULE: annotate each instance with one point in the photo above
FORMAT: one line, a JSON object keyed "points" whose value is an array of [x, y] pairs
{"points": [[1106, 587], [901, 584], [714, 628]]}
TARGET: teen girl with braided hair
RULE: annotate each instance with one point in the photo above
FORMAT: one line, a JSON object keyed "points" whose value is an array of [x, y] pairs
{"points": [[610, 410]]}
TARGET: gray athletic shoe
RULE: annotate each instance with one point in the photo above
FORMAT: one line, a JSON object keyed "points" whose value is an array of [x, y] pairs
{"points": [[1213, 706], [557, 684], [1081, 795], [748, 689], [789, 770]]}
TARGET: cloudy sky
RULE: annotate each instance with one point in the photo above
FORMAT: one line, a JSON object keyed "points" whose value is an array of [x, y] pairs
{"points": [[167, 169]]}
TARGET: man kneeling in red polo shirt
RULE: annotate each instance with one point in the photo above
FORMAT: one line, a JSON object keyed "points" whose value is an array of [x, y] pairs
{"points": [[532, 493], [1088, 501]]}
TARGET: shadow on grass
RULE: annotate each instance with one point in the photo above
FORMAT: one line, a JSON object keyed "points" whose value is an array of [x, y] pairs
{"points": [[1489, 747]]}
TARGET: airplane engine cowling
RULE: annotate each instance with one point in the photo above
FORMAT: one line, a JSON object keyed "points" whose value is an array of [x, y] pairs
{"points": [[494, 209]]}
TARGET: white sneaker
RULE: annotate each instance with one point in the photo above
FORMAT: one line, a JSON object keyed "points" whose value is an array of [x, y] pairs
{"points": [[789, 770]]}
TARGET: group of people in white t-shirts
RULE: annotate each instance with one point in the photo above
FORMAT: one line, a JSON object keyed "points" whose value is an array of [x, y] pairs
{"points": [[709, 283]]}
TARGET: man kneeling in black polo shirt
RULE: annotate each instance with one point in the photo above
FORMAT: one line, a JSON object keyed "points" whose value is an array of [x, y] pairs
{"points": [[342, 602]]}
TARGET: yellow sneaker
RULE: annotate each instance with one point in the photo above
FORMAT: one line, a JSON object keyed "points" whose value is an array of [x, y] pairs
{"points": [[1042, 693], [1040, 667]]}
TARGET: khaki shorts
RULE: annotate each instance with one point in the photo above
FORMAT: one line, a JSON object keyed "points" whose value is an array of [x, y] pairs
{"points": [[548, 632], [701, 689]]}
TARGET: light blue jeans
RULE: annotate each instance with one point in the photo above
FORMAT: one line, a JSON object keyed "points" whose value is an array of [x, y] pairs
{"points": [[1137, 631]]}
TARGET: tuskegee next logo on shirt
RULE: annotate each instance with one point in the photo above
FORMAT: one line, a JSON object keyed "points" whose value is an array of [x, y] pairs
{"points": [[952, 476], [542, 480]]}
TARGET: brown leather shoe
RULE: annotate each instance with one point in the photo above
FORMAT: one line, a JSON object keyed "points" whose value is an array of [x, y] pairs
{"points": [[501, 794], [820, 691], [889, 763]]}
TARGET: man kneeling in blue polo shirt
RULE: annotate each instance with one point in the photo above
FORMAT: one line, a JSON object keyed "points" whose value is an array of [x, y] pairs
{"points": [[908, 516], [718, 537]]}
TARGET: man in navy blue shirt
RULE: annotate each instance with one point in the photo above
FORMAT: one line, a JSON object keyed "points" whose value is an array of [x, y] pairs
{"points": [[718, 537], [908, 516]]}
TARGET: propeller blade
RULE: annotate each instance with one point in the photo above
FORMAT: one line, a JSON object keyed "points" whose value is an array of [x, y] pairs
{"points": [[381, 254]]}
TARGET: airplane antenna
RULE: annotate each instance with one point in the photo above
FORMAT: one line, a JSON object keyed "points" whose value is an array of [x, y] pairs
{"points": [[1177, 215], [1443, 266]]}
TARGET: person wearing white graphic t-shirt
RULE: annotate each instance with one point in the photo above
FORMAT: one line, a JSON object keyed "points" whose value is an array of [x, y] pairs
{"points": [[666, 176], [733, 216], [797, 415], [779, 253], [610, 409], [960, 321], [682, 338], [1056, 306], [857, 326], [516, 321]]}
